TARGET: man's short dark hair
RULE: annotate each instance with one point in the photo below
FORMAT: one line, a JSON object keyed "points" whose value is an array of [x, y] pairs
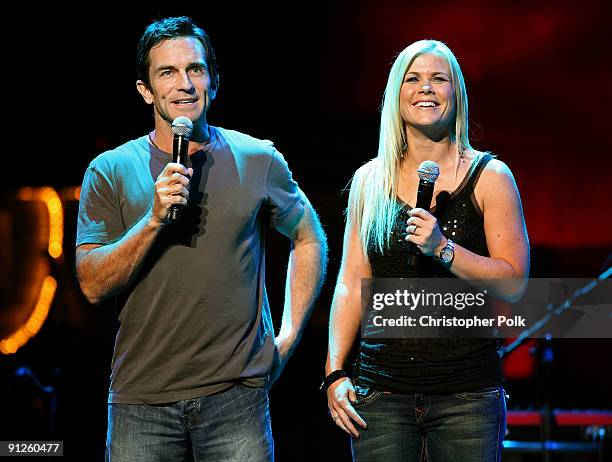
{"points": [[169, 28]]}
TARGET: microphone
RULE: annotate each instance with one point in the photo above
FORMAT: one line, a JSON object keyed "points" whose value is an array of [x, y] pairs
{"points": [[428, 174], [181, 128]]}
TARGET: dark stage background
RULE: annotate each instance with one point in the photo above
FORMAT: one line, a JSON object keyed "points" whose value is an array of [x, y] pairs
{"points": [[310, 77]]}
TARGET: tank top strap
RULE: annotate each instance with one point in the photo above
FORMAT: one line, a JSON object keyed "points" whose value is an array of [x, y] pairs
{"points": [[475, 174]]}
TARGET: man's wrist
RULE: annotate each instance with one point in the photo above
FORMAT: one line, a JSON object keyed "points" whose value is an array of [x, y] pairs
{"points": [[284, 343], [152, 221]]}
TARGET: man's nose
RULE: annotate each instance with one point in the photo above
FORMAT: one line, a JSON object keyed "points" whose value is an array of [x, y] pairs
{"points": [[185, 83]]}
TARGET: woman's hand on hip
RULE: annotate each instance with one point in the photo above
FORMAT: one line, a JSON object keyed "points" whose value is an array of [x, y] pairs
{"points": [[340, 396]]}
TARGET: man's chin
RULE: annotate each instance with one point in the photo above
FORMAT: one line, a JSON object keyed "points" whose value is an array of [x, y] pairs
{"points": [[175, 114]]}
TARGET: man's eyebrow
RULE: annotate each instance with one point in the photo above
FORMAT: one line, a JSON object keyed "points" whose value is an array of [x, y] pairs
{"points": [[189, 66], [164, 68], [197, 64]]}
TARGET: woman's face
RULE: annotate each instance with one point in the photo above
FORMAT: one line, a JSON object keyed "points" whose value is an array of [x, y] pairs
{"points": [[427, 97]]}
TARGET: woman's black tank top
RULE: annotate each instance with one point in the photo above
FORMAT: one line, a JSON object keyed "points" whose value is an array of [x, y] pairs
{"points": [[447, 365]]}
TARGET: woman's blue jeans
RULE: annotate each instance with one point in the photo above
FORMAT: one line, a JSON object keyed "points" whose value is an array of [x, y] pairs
{"points": [[233, 425], [461, 427]]}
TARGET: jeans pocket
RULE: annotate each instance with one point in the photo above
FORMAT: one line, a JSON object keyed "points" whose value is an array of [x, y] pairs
{"points": [[365, 395], [483, 393]]}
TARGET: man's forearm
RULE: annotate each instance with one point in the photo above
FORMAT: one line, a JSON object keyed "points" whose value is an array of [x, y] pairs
{"points": [[107, 270], [305, 275]]}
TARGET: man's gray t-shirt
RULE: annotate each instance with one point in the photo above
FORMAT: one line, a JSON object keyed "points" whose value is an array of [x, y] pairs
{"points": [[196, 319]]}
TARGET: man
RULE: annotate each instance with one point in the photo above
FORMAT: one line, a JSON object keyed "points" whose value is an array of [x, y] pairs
{"points": [[195, 352]]}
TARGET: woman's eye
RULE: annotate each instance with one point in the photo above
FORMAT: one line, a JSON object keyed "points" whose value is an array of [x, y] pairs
{"points": [[411, 79]]}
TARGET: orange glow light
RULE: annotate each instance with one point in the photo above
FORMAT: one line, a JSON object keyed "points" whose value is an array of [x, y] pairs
{"points": [[56, 215], [48, 285], [31, 327]]}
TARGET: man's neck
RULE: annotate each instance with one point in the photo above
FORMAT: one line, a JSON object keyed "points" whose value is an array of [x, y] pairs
{"points": [[162, 137]]}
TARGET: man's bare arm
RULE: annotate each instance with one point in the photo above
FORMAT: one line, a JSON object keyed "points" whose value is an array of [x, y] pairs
{"points": [[305, 275], [105, 270]]}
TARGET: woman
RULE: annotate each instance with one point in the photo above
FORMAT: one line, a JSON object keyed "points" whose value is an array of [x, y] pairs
{"points": [[438, 397]]}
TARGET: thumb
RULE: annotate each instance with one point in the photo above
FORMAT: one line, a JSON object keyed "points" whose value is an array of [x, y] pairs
{"points": [[352, 395]]}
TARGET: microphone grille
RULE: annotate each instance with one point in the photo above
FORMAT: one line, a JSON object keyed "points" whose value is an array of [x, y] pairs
{"points": [[428, 171], [182, 126]]}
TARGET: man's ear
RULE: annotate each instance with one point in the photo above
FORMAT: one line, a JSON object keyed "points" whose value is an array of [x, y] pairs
{"points": [[144, 91], [212, 93]]}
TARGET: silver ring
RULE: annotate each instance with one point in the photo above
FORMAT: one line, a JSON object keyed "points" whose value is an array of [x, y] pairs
{"points": [[412, 229], [336, 418]]}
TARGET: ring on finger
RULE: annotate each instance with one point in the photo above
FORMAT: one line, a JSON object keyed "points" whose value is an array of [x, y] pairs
{"points": [[412, 229]]}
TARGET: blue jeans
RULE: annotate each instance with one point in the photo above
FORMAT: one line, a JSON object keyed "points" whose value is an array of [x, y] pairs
{"points": [[233, 425], [466, 426]]}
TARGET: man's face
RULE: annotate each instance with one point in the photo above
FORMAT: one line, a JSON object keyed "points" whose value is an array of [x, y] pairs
{"points": [[180, 84]]}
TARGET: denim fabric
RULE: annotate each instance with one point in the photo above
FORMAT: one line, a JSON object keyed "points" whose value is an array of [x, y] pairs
{"points": [[467, 426], [233, 425]]}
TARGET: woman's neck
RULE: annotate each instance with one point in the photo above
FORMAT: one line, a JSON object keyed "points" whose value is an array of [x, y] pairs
{"points": [[442, 151]]}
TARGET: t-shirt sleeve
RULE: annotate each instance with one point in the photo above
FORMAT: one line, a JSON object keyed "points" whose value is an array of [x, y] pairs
{"points": [[285, 201], [99, 220]]}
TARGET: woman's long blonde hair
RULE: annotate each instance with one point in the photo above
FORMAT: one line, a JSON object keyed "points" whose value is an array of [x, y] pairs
{"points": [[372, 202]]}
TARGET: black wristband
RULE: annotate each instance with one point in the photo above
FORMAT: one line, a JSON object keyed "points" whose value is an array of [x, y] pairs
{"points": [[331, 378]]}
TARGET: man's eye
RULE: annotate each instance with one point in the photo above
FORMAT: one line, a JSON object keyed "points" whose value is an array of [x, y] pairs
{"points": [[198, 71], [165, 73]]}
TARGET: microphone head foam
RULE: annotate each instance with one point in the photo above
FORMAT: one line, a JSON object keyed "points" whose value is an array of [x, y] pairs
{"points": [[428, 171], [182, 126]]}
